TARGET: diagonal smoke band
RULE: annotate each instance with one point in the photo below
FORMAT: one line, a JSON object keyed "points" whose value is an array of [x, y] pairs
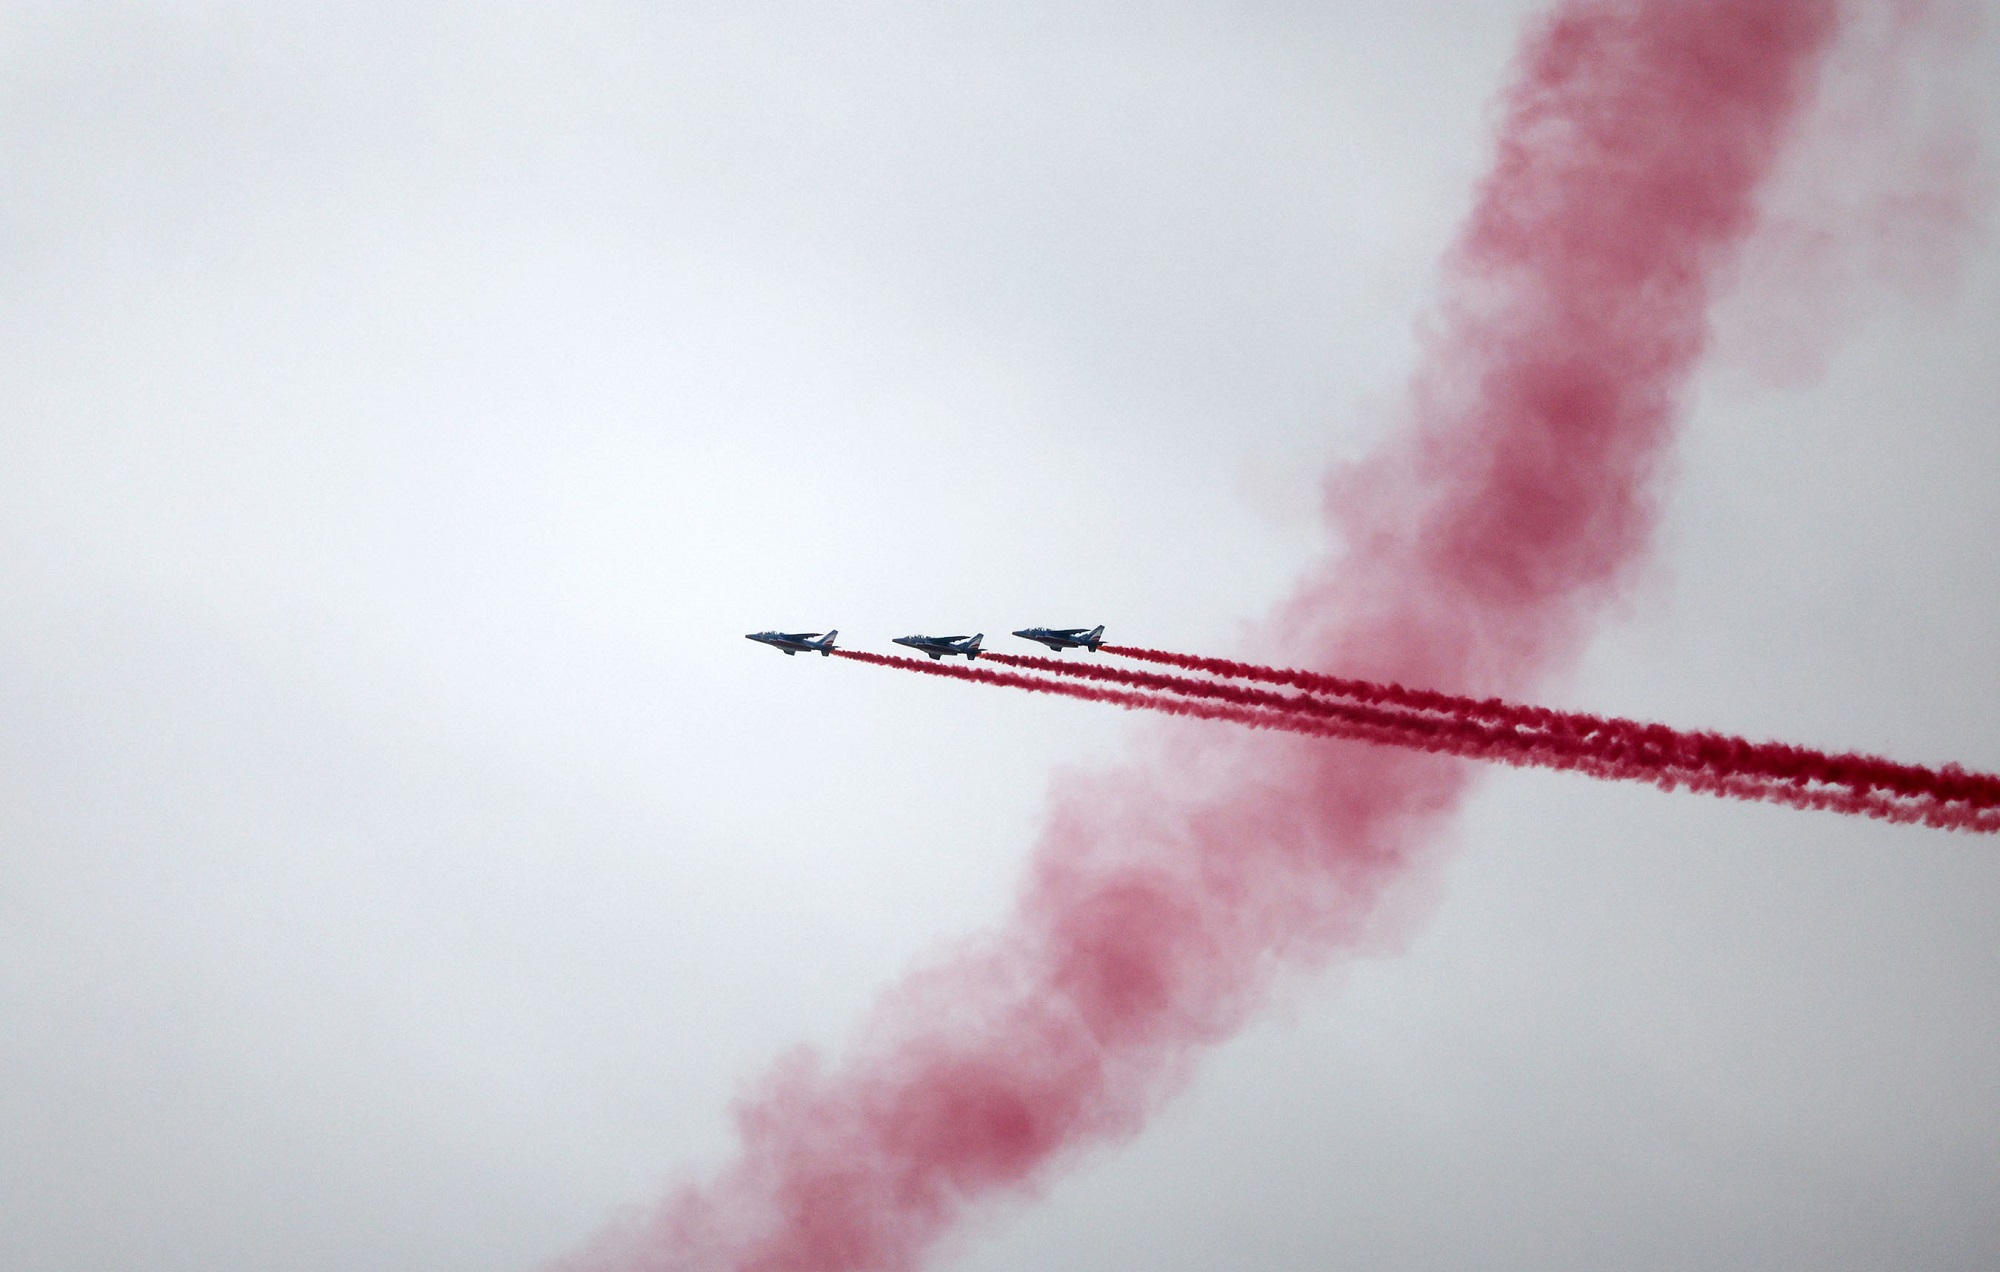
{"points": [[1511, 503]]}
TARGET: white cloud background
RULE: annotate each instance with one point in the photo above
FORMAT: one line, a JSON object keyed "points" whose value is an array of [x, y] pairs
{"points": [[405, 409]]}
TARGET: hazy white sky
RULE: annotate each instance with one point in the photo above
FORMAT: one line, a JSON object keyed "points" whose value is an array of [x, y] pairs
{"points": [[405, 409]]}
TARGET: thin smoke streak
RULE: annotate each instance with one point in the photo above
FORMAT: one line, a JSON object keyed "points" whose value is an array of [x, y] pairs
{"points": [[1638, 740], [1729, 769], [1462, 739], [1467, 737], [1607, 746]]}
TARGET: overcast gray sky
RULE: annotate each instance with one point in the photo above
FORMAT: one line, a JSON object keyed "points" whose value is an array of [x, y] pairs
{"points": [[405, 409]]}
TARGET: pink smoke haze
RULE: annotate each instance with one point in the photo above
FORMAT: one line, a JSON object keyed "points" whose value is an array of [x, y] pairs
{"points": [[1164, 897], [1884, 194]]}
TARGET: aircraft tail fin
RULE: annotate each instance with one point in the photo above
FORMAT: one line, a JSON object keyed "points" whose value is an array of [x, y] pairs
{"points": [[972, 649], [1096, 637], [826, 643]]}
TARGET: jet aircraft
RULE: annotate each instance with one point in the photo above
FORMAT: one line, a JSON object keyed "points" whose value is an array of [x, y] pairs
{"points": [[1061, 638], [940, 646], [797, 642]]}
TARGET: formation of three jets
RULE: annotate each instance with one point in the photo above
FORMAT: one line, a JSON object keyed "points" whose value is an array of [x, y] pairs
{"points": [[1056, 638]]}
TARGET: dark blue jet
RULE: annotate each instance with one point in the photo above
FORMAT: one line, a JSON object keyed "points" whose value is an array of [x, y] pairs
{"points": [[1061, 638], [797, 642], [940, 646]]}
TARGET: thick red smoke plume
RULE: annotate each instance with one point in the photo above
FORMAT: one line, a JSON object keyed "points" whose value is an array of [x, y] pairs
{"points": [[1164, 896]]}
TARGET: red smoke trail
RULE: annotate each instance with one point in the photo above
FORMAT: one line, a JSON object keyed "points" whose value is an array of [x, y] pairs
{"points": [[1604, 755], [1359, 726], [1472, 739], [1653, 742], [1650, 746], [1305, 716], [1165, 896], [1871, 804]]}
